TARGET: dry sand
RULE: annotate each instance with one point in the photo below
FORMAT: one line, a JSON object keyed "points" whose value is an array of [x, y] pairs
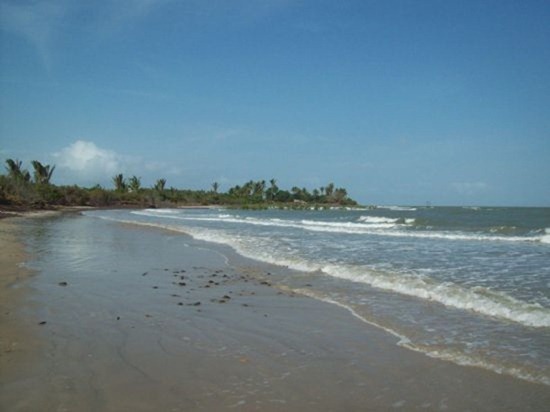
{"points": [[212, 333]]}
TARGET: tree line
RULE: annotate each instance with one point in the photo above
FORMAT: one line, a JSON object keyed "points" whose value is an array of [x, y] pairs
{"points": [[19, 188]]}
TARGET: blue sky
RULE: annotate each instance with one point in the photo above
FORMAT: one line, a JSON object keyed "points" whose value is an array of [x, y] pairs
{"points": [[401, 102]]}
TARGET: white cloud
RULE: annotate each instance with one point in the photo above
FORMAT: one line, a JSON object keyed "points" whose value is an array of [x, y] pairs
{"points": [[87, 162]]}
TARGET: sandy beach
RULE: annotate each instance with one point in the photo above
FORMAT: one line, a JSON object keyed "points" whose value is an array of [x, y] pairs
{"points": [[117, 317], [16, 346]]}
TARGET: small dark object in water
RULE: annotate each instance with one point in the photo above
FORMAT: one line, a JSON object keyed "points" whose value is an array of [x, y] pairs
{"points": [[155, 287], [144, 273], [182, 283], [118, 318], [42, 323], [226, 297], [180, 303], [62, 283], [196, 304]]}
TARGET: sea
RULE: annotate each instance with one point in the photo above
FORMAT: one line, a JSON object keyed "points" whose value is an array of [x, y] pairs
{"points": [[469, 285]]}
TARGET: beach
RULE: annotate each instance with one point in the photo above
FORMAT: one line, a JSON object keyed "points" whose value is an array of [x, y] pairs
{"points": [[111, 316]]}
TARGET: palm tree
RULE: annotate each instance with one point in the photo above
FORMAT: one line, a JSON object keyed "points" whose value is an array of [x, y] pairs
{"points": [[316, 194], [159, 186], [120, 183], [42, 173], [272, 191], [258, 189], [296, 192], [329, 190], [134, 184], [248, 188], [15, 171], [340, 194], [215, 187]]}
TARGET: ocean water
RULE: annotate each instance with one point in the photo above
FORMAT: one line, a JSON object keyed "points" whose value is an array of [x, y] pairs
{"points": [[468, 285]]}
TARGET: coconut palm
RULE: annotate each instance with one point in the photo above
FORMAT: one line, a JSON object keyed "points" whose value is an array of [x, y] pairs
{"points": [[15, 171], [340, 194], [258, 188], [329, 190], [215, 187], [42, 173], [272, 191], [120, 183], [134, 184], [248, 188], [159, 186]]}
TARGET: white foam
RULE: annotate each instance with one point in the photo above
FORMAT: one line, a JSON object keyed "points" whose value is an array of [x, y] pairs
{"points": [[459, 358], [403, 340], [469, 360], [477, 299], [377, 226], [398, 208], [377, 219], [161, 211]]}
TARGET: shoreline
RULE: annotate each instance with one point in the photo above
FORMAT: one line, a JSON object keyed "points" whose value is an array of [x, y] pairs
{"points": [[206, 329]]}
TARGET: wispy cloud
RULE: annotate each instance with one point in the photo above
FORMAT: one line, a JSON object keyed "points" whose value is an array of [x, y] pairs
{"points": [[43, 23], [36, 22], [113, 16]]}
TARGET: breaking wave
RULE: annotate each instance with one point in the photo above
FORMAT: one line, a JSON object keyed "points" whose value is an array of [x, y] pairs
{"points": [[365, 225]]}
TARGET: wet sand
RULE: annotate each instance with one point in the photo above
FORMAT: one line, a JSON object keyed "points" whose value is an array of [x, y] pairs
{"points": [[18, 348], [158, 321]]}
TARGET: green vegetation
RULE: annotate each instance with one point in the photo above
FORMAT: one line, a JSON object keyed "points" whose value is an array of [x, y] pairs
{"points": [[18, 189]]}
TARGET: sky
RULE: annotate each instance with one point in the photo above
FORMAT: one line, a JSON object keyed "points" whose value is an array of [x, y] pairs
{"points": [[400, 102]]}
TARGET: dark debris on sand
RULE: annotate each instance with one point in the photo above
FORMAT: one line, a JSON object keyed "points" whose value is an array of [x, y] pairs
{"points": [[197, 278]]}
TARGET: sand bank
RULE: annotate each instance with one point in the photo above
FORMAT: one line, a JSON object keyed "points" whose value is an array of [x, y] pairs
{"points": [[163, 322]]}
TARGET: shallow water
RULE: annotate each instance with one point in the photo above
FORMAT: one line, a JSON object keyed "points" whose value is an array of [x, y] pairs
{"points": [[470, 285]]}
